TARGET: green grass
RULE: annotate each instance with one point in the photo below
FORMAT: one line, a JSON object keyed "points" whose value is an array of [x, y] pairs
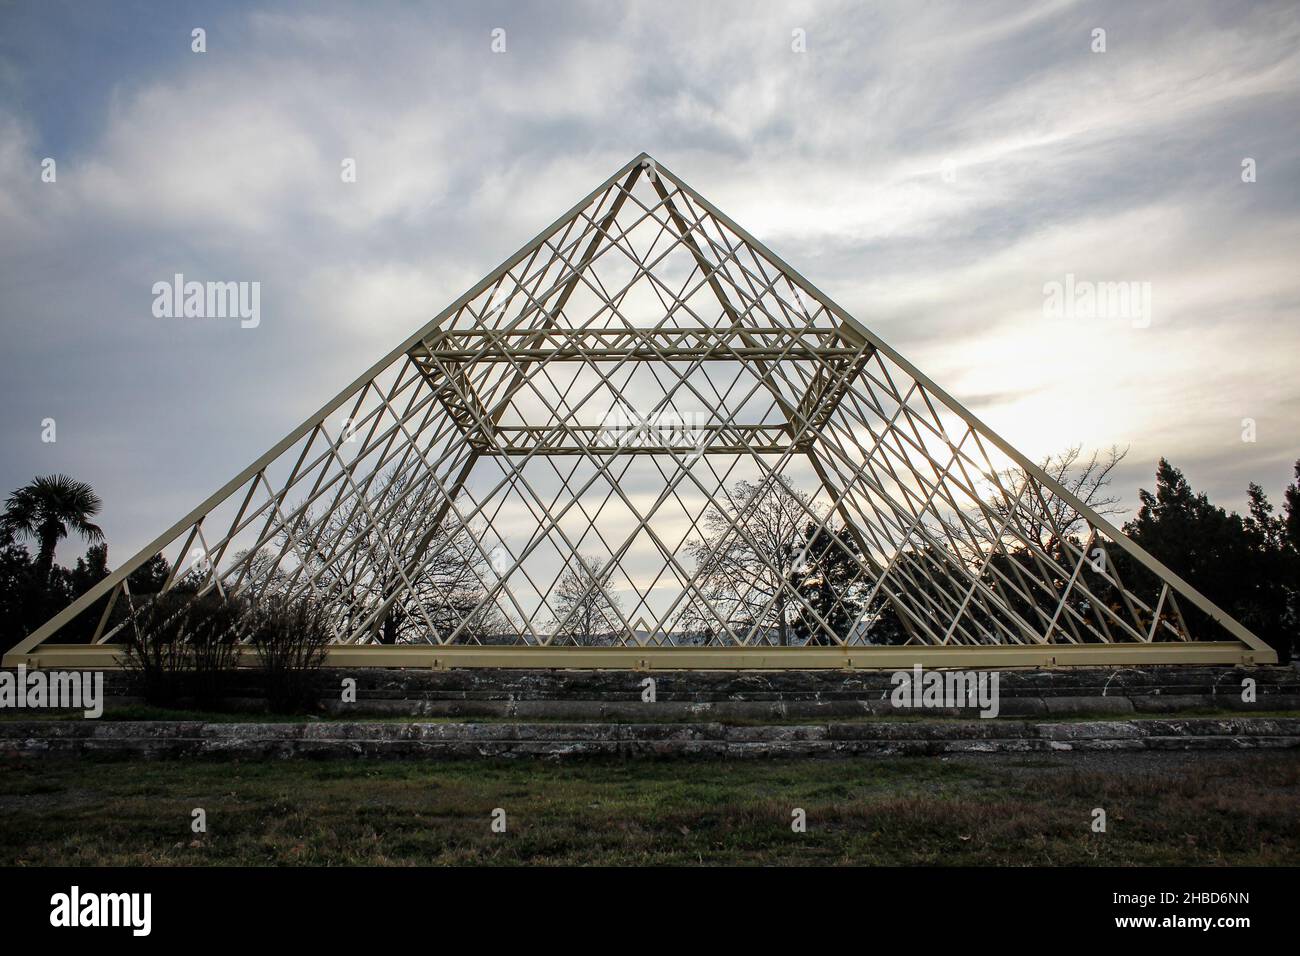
{"points": [[1203, 809]]}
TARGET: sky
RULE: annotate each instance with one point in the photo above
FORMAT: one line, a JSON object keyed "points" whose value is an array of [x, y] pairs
{"points": [[935, 168]]}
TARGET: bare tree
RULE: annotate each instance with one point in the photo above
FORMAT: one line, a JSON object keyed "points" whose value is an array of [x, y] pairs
{"points": [[586, 612], [444, 594], [747, 578], [1025, 510], [262, 575], [1048, 519]]}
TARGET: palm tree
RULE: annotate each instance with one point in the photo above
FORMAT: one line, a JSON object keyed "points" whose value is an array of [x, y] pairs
{"points": [[45, 511]]}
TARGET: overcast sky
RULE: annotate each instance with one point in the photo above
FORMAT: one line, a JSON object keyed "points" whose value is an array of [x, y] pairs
{"points": [[932, 167]]}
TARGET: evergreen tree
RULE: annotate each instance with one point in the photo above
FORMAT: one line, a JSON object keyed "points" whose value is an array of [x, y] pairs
{"points": [[1244, 565]]}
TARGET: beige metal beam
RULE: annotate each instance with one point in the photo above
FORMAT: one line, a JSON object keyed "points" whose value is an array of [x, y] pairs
{"points": [[990, 657]]}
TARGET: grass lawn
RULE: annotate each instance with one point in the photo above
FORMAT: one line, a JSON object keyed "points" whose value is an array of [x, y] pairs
{"points": [[1170, 809]]}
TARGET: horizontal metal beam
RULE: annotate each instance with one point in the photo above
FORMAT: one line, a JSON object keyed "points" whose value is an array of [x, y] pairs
{"points": [[586, 356], [613, 345], [987, 657], [667, 438], [548, 451]]}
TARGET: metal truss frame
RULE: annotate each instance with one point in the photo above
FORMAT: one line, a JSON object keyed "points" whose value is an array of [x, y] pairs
{"points": [[647, 381]]}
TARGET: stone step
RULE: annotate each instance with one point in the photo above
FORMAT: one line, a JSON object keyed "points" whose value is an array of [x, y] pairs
{"points": [[345, 739], [490, 686]]}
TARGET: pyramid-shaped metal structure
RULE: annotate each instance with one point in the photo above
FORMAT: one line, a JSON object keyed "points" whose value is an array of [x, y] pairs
{"points": [[645, 440]]}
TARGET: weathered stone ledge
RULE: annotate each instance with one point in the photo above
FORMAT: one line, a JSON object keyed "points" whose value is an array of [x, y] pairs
{"points": [[1059, 706], [488, 691], [727, 683], [337, 739]]}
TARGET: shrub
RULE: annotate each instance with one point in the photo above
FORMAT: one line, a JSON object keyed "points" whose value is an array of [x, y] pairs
{"points": [[180, 646], [290, 636], [155, 649], [215, 626]]}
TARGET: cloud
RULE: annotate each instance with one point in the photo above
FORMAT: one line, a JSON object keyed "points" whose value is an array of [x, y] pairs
{"points": [[931, 168]]}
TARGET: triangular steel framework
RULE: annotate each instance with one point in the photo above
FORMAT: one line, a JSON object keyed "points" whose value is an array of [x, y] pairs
{"points": [[623, 446]]}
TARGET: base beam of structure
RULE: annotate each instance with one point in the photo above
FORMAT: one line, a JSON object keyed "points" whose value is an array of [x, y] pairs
{"points": [[107, 656]]}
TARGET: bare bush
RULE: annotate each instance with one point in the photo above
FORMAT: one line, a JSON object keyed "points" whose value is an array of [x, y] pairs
{"points": [[290, 636], [182, 646], [214, 628]]}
